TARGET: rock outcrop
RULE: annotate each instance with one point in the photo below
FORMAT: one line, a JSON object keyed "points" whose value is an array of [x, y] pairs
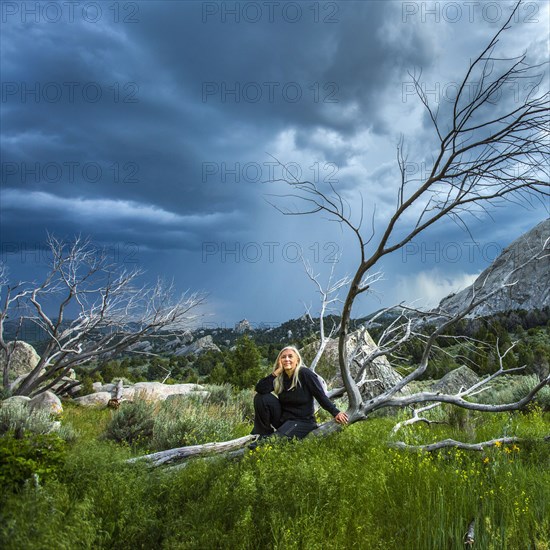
{"points": [[16, 399], [22, 357], [242, 326], [99, 387], [379, 375], [532, 287], [198, 346], [158, 391], [46, 401], [456, 380], [98, 399], [144, 347], [152, 391], [172, 344]]}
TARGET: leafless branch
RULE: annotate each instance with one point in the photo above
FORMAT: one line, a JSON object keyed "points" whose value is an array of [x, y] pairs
{"points": [[111, 311], [451, 443], [329, 297]]}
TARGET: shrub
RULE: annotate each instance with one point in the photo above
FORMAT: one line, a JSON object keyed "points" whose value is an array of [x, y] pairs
{"points": [[35, 456], [67, 433], [244, 365], [114, 369], [86, 385], [5, 393], [509, 389], [132, 423], [219, 395], [244, 400], [525, 385], [17, 418], [225, 394]]}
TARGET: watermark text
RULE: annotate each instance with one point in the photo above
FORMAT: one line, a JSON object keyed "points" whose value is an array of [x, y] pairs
{"points": [[39, 253], [69, 172], [271, 252], [69, 12], [255, 172], [269, 92], [69, 92], [270, 12], [472, 12]]}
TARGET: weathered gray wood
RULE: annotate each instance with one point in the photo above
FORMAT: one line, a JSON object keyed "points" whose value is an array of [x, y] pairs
{"points": [[469, 536], [118, 390], [452, 443], [165, 457]]}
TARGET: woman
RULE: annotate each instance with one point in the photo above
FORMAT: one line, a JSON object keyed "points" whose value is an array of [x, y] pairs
{"points": [[291, 413]]}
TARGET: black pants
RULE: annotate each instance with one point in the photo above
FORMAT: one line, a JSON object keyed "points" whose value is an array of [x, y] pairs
{"points": [[267, 419]]}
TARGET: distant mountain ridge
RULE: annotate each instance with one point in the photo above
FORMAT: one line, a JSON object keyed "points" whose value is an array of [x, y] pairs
{"points": [[531, 292], [532, 288]]}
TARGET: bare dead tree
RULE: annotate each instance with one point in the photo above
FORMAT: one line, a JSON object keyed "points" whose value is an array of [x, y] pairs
{"points": [[392, 337], [475, 389], [488, 152], [446, 443], [88, 307], [329, 297], [173, 455], [391, 397]]}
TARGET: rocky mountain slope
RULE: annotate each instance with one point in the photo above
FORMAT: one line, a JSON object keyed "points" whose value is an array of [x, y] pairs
{"points": [[532, 279]]}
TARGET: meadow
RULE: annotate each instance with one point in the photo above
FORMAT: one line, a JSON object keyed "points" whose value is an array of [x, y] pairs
{"points": [[351, 489]]}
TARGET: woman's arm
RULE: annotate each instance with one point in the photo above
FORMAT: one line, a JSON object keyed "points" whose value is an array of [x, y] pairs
{"points": [[319, 393], [265, 385], [314, 385]]}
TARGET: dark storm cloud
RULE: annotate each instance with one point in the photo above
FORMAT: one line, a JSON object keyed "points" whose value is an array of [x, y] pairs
{"points": [[134, 112], [136, 128], [343, 63]]}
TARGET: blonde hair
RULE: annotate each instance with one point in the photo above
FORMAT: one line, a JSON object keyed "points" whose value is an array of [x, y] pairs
{"points": [[278, 383]]}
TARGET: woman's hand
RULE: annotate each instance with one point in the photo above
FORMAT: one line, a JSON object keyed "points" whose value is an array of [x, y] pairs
{"points": [[341, 418], [278, 370]]}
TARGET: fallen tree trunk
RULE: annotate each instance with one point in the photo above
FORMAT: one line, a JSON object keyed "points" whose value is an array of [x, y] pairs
{"points": [[165, 457], [452, 443]]}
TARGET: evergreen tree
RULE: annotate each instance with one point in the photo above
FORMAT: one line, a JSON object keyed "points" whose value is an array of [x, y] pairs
{"points": [[218, 375], [244, 364]]}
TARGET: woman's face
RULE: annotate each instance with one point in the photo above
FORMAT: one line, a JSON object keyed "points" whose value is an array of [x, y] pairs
{"points": [[289, 361]]}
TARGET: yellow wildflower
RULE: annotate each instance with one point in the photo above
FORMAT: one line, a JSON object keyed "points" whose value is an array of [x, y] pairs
{"points": [[498, 443]]}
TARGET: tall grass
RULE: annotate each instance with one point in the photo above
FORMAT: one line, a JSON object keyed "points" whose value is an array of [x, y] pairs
{"points": [[178, 422], [184, 422], [349, 490]]}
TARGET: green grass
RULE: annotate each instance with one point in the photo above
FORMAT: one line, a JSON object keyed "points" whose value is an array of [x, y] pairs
{"points": [[89, 423], [348, 490]]}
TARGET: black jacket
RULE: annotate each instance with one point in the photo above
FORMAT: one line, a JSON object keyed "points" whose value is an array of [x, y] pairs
{"points": [[297, 404]]}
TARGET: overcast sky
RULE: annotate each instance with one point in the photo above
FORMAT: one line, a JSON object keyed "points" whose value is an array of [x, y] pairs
{"points": [[152, 127]]}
